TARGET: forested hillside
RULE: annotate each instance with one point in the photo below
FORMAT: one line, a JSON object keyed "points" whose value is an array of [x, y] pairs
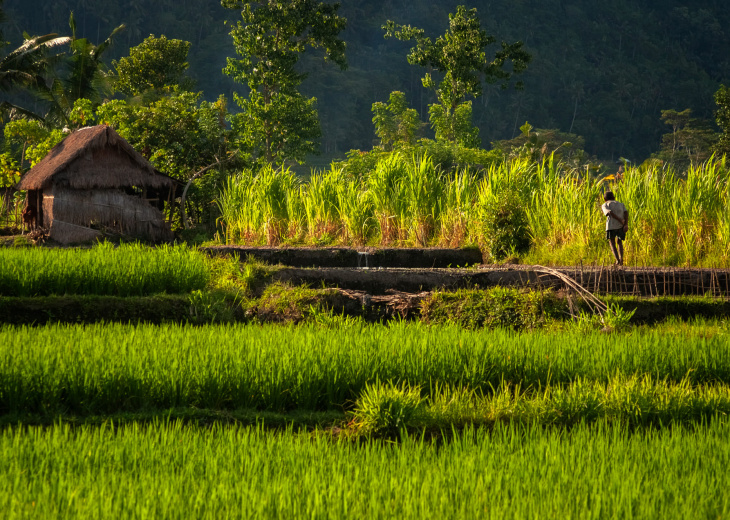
{"points": [[603, 70]]}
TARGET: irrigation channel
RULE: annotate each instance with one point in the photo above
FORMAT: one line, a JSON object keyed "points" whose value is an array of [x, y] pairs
{"points": [[412, 271]]}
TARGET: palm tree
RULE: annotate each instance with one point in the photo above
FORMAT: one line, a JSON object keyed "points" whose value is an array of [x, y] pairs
{"points": [[83, 75], [26, 68]]}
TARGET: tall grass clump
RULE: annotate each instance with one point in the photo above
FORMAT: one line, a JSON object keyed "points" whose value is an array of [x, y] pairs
{"points": [[262, 206], [387, 192], [321, 201], [356, 212], [458, 210], [675, 218], [126, 270]]}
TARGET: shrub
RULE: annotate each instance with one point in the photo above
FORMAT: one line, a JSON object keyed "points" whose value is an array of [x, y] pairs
{"points": [[506, 229]]}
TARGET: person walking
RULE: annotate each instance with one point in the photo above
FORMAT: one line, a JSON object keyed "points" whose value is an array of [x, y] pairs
{"points": [[617, 224]]}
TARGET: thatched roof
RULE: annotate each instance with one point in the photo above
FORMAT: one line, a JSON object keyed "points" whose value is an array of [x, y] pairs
{"points": [[93, 158]]}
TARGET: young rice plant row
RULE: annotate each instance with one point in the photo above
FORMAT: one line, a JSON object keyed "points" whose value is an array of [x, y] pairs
{"points": [[170, 470], [125, 270], [101, 369]]}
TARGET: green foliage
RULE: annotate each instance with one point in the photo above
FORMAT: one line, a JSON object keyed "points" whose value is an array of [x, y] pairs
{"points": [[9, 172], [209, 307], [30, 140], [691, 141], [156, 64], [278, 128], [180, 133], [492, 308], [232, 275], [83, 75], [626, 50], [722, 116], [277, 122], [454, 127], [395, 123], [454, 157], [538, 144], [506, 226], [21, 242], [282, 303], [360, 163], [615, 319], [460, 56], [387, 409], [82, 114], [26, 67], [126, 270]]}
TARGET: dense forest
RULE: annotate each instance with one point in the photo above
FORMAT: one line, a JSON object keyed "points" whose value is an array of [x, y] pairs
{"points": [[602, 70]]}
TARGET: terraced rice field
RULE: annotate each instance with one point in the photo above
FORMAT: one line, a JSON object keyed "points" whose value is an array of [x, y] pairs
{"points": [[339, 418]]}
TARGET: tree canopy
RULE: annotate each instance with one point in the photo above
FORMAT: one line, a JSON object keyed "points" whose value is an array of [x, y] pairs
{"points": [[460, 58], [277, 121], [153, 65], [602, 70]]}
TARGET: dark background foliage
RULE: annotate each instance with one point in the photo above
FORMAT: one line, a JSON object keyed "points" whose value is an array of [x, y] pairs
{"points": [[602, 70]]}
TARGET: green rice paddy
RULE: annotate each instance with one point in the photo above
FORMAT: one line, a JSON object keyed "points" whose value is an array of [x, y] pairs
{"points": [[126, 270], [404, 420], [106, 368], [171, 470]]}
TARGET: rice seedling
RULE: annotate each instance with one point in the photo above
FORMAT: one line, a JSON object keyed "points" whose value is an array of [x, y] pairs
{"points": [[126, 270], [629, 400], [116, 368], [173, 470]]}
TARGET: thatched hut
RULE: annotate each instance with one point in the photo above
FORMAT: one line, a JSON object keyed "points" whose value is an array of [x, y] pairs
{"points": [[94, 181]]}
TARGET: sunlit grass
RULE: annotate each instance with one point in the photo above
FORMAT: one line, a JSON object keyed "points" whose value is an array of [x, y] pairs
{"points": [[675, 219], [173, 470], [110, 368], [126, 270]]}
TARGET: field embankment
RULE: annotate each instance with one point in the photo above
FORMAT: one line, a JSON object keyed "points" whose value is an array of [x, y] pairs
{"points": [[157, 285]]}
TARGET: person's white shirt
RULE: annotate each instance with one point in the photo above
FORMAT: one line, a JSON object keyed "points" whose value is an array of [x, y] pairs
{"points": [[617, 209]]}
